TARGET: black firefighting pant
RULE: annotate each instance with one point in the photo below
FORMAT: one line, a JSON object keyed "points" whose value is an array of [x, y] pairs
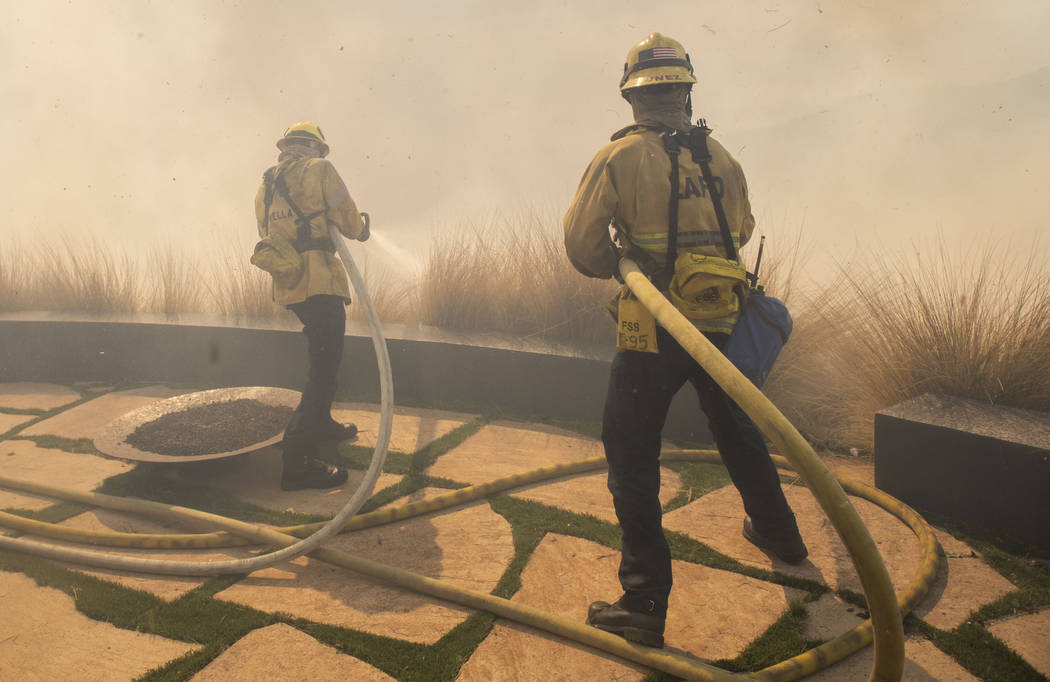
{"points": [[641, 387], [324, 325]]}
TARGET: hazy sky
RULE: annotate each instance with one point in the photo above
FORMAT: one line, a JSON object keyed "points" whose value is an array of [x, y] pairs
{"points": [[143, 121]]}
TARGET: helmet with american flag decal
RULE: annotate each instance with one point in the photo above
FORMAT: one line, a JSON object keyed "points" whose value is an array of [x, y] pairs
{"points": [[657, 60]]}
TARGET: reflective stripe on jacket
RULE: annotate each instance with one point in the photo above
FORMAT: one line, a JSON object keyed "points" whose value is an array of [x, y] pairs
{"points": [[313, 185], [628, 183]]}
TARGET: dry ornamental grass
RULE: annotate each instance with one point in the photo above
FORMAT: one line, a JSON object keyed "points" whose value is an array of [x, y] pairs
{"points": [[975, 325]]}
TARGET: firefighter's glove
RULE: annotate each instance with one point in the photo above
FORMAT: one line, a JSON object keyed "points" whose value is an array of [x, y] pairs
{"points": [[646, 263], [365, 233]]}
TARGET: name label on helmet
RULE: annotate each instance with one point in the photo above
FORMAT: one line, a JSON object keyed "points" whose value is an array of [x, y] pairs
{"points": [[666, 77]]}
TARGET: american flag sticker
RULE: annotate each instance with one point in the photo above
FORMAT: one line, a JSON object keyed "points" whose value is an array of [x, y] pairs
{"points": [[657, 53]]}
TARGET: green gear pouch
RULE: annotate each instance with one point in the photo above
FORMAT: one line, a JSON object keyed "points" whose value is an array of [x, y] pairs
{"points": [[276, 255], [635, 325], [704, 287]]}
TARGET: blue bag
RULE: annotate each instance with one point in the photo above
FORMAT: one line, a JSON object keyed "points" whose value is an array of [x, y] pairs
{"points": [[763, 329]]}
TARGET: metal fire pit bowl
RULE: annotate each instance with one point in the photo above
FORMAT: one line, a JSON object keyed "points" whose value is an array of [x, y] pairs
{"points": [[110, 439]]}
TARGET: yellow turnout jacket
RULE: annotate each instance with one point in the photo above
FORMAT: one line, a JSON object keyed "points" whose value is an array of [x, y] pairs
{"points": [[314, 185], [628, 184]]}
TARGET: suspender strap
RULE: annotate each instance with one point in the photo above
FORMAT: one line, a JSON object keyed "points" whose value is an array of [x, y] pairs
{"points": [[303, 240], [697, 143], [267, 198], [702, 156], [673, 149]]}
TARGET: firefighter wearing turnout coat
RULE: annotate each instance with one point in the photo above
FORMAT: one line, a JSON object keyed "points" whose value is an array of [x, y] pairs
{"points": [[627, 188], [298, 199]]}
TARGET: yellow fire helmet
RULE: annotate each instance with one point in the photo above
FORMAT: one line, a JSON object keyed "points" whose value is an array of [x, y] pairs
{"points": [[655, 61], [303, 130]]}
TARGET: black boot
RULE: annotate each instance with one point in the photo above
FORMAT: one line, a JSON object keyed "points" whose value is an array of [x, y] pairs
{"points": [[634, 626], [334, 431], [790, 549], [304, 471]]}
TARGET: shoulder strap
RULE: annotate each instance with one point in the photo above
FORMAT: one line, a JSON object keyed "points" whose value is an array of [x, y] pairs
{"points": [[673, 149], [303, 241], [702, 156], [267, 198]]}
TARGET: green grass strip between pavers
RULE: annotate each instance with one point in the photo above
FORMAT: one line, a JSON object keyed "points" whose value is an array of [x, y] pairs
{"points": [[42, 415], [980, 653], [80, 446], [23, 411], [529, 515], [698, 479], [56, 513]]}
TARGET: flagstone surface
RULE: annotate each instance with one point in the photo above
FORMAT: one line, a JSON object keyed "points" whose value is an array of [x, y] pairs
{"points": [[25, 395], [84, 420], [830, 617], [1029, 636], [716, 520], [280, 653], [469, 546], [43, 637], [712, 614], [94, 386], [23, 460], [964, 584], [589, 494], [923, 662], [504, 448], [412, 428], [10, 421]]}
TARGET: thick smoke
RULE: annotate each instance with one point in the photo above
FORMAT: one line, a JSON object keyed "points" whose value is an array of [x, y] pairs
{"points": [[869, 123]]}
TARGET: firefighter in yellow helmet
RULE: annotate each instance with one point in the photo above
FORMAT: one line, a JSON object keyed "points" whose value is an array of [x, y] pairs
{"points": [[628, 187], [298, 199]]}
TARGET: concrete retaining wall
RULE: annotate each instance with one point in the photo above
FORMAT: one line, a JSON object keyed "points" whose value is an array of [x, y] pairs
{"points": [[428, 373], [986, 465]]}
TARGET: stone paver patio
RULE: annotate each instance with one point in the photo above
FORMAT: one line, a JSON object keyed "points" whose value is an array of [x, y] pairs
{"points": [[23, 459], [43, 637], [10, 421], [301, 658], [33, 396], [714, 614]]}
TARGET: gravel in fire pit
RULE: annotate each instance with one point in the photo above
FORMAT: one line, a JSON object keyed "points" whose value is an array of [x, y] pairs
{"points": [[212, 428]]}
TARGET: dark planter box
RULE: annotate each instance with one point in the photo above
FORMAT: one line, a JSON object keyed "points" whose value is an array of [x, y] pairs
{"points": [[984, 465]]}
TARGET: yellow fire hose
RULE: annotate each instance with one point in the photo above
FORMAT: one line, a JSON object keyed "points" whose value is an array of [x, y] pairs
{"points": [[300, 546], [791, 669], [884, 627], [882, 603]]}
